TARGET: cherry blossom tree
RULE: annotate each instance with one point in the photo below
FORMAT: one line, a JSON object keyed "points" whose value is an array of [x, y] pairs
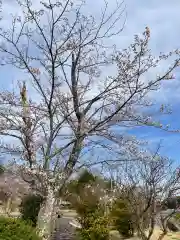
{"points": [[74, 101], [12, 187]]}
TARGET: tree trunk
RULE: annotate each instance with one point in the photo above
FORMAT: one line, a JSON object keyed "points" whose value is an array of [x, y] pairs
{"points": [[46, 215], [8, 206]]}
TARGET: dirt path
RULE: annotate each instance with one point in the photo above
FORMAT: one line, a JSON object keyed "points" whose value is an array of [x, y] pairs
{"points": [[169, 236], [64, 230]]}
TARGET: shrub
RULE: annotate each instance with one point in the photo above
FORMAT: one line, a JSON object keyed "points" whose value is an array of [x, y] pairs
{"points": [[97, 228], [122, 218], [30, 207], [85, 199], [177, 216], [91, 217], [16, 229]]}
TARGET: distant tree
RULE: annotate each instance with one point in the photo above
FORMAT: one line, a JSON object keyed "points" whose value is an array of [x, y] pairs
{"points": [[86, 177], [145, 186], [12, 187], [170, 203]]}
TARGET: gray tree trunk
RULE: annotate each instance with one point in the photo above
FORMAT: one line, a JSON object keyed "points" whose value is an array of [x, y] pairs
{"points": [[46, 215]]}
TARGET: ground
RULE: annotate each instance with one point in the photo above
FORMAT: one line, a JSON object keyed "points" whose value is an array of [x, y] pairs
{"points": [[157, 232], [170, 235], [69, 215]]}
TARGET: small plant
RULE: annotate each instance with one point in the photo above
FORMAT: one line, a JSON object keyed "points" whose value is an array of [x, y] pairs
{"points": [[16, 229], [30, 207]]}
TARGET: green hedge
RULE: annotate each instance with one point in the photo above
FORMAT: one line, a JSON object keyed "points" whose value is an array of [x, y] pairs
{"points": [[16, 229], [97, 229], [30, 207]]}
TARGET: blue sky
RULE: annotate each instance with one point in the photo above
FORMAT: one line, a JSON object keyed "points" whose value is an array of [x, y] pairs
{"points": [[162, 17]]}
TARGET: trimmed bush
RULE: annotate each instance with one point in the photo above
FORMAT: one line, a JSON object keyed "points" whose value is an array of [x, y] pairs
{"points": [[122, 219], [30, 207], [91, 217], [16, 229], [97, 228]]}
